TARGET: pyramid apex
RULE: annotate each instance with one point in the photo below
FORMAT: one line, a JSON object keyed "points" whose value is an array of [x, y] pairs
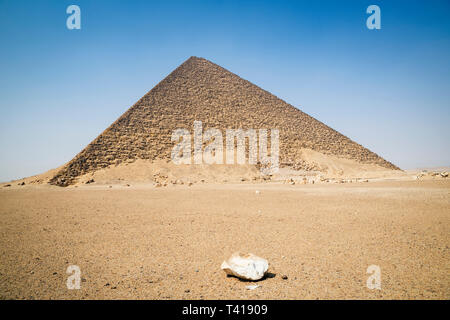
{"points": [[194, 58], [197, 61]]}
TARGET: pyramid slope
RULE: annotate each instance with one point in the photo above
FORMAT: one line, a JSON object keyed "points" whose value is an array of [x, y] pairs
{"points": [[201, 90]]}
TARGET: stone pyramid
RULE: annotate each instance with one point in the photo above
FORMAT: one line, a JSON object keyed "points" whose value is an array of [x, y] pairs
{"points": [[199, 90]]}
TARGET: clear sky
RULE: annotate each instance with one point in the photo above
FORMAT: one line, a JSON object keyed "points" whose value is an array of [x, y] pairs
{"points": [[387, 89]]}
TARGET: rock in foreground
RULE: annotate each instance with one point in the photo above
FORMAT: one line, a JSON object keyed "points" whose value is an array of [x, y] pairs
{"points": [[248, 267]]}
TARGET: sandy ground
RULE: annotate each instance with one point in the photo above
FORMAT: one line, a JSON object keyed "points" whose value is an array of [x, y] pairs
{"points": [[168, 243]]}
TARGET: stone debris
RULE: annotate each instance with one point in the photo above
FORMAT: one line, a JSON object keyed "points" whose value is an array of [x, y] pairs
{"points": [[248, 267], [290, 181], [433, 174], [252, 287]]}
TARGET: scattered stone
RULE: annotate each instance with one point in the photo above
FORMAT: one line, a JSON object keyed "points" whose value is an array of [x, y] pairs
{"points": [[290, 181], [190, 184], [90, 181], [257, 192], [248, 267], [21, 183], [444, 174], [187, 291], [284, 277], [7, 185], [252, 287]]}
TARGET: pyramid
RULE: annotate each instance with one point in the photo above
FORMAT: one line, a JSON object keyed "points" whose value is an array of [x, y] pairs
{"points": [[199, 90]]}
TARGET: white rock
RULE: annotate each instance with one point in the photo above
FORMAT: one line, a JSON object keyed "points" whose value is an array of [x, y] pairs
{"points": [[248, 267], [252, 287]]}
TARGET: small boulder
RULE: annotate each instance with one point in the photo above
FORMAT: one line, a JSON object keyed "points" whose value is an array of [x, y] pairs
{"points": [[248, 267]]}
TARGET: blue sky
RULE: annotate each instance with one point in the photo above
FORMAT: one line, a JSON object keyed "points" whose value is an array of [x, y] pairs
{"points": [[387, 89]]}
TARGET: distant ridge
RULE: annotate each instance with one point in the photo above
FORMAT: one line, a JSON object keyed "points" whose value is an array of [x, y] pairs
{"points": [[201, 90]]}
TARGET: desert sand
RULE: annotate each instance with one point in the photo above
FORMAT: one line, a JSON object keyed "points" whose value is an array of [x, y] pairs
{"points": [[136, 241]]}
